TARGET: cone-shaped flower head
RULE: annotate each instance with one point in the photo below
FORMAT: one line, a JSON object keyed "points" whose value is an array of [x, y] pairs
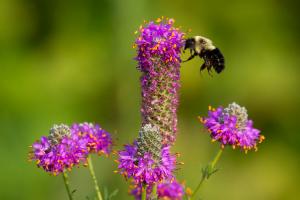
{"points": [[231, 126], [150, 141], [59, 151], [57, 132], [98, 140], [158, 48], [144, 162]]}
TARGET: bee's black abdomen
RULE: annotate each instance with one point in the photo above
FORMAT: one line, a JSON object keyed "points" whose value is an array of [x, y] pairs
{"points": [[219, 68], [214, 58]]}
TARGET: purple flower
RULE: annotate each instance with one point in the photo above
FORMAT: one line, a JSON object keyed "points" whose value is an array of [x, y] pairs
{"points": [[65, 147], [98, 140], [158, 48], [231, 126], [168, 190], [171, 190], [143, 168], [137, 192], [60, 151]]}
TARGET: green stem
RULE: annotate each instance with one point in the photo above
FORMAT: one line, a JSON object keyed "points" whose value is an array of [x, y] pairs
{"points": [[211, 166], [198, 187], [92, 172], [66, 181], [154, 192], [216, 159], [144, 192]]}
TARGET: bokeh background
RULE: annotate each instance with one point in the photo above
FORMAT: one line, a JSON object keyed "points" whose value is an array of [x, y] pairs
{"points": [[72, 61]]}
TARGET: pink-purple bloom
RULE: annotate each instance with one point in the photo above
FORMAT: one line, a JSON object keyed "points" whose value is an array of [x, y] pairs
{"points": [[158, 47], [231, 126], [55, 157], [171, 190], [168, 190], [143, 169], [67, 147], [137, 192], [98, 140]]}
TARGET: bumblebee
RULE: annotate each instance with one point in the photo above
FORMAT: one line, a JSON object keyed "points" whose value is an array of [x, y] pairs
{"points": [[204, 48]]}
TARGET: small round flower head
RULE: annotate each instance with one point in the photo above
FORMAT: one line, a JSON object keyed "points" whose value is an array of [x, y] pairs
{"points": [[231, 126], [143, 167], [158, 48], [171, 190], [59, 151], [98, 140]]}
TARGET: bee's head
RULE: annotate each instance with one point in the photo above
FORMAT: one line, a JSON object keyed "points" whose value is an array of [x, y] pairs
{"points": [[190, 43]]}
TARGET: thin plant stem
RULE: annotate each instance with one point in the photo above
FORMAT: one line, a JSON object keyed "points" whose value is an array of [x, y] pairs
{"points": [[144, 192], [154, 192], [92, 172], [198, 187], [211, 166], [66, 181], [216, 159]]}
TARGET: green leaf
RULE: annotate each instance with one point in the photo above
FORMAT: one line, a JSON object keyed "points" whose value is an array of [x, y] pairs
{"points": [[114, 193], [106, 197]]}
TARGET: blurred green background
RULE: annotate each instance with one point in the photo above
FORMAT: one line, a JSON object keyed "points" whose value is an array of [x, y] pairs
{"points": [[72, 61]]}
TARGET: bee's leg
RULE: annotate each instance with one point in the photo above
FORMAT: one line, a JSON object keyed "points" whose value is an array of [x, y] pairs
{"points": [[190, 58], [209, 70], [203, 66]]}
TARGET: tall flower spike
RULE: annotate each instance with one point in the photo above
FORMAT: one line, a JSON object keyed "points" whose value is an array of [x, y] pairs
{"points": [[231, 126], [158, 48]]}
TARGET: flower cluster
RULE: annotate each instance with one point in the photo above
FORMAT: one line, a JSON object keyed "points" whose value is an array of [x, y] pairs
{"points": [[231, 126], [158, 48], [65, 147], [147, 162]]}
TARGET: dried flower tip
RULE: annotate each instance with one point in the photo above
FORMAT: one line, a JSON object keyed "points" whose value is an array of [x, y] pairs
{"points": [[58, 132], [150, 141], [239, 112]]}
